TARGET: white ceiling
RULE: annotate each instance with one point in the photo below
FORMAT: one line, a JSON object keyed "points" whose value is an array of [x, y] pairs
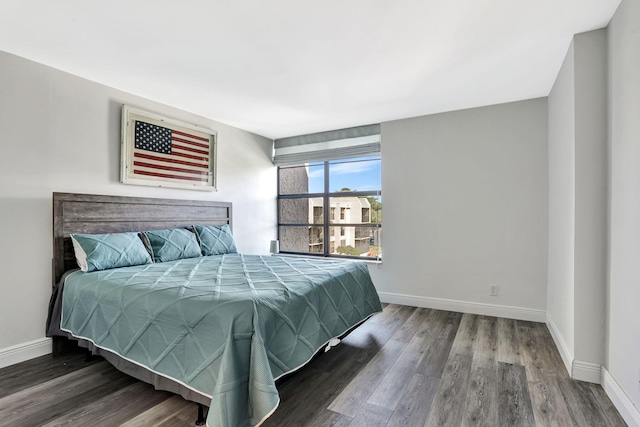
{"points": [[287, 67]]}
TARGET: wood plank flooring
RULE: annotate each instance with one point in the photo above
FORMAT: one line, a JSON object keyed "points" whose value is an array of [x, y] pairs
{"points": [[406, 366]]}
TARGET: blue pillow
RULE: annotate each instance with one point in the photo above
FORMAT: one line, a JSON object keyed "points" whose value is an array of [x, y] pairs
{"points": [[103, 251], [177, 243], [216, 239]]}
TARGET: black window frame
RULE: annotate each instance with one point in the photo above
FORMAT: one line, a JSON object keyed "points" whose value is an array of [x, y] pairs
{"points": [[326, 196]]}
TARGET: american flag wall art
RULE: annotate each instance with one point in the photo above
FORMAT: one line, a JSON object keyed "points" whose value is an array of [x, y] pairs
{"points": [[162, 152]]}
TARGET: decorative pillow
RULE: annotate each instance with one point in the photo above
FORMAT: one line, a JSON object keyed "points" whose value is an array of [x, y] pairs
{"points": [[103, 251], [216, 240], [177, 243]]}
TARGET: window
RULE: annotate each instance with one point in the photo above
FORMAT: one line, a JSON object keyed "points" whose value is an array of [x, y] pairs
{"points": [[365, 215], [317, 214], [348, 189]]}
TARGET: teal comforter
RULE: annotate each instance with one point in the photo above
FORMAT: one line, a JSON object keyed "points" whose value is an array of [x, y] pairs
{"points": [[226, 326]]}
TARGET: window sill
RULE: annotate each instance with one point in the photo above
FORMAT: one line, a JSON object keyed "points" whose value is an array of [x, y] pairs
{"points": [[366, 261]]}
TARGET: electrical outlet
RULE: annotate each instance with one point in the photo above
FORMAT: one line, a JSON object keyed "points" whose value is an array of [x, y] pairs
{"points": [[493, 290]]}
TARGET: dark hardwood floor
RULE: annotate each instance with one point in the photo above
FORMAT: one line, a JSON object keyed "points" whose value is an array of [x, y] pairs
{"points": [[404, 367]]}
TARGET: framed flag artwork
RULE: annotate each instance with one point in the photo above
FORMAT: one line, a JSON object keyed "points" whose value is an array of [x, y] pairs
{"points": [[163, 152]]}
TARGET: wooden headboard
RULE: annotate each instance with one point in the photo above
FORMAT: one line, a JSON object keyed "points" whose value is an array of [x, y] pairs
{"points": [[94, 214]]}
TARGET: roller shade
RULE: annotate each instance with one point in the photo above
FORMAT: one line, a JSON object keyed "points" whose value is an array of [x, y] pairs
{"points": [[336, 144]]}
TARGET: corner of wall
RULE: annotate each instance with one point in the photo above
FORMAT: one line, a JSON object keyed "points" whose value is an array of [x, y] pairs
{"points": [[565, 353], [586, 371], [577, 369]]}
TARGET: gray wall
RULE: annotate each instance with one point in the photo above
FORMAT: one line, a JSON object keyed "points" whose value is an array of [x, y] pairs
{"points": [[623, 349], [560, 290], [465, 206], [62, 133], [577, 204], [590, 195]]}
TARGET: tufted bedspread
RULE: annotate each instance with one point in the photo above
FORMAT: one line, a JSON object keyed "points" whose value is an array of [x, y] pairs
{"points": [[225, 326]]}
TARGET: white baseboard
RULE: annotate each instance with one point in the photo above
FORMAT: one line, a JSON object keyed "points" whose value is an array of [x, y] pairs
{"points": [[577, 369], [619, 398], [25, 351], [586, 371], [563, 349], [465, 307]]}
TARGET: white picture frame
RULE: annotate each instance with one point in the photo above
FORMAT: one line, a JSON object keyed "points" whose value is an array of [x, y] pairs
{"points": [[162, 152]]}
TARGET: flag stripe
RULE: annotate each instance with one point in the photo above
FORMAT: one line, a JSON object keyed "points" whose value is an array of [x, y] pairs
{"points": [[170, 160], [193, 150], [166, 175], [154, 168], [190, 136], [190, 156], [168, 168], [197, 144]]}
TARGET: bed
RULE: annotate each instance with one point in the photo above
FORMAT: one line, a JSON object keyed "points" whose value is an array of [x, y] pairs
{"points": [[217, 329]]}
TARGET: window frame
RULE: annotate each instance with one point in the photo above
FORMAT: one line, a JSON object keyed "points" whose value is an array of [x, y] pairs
{"points": [[326, 225]]}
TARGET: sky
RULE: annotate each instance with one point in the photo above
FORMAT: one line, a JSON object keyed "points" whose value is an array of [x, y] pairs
{"points": [[362, 175]]}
